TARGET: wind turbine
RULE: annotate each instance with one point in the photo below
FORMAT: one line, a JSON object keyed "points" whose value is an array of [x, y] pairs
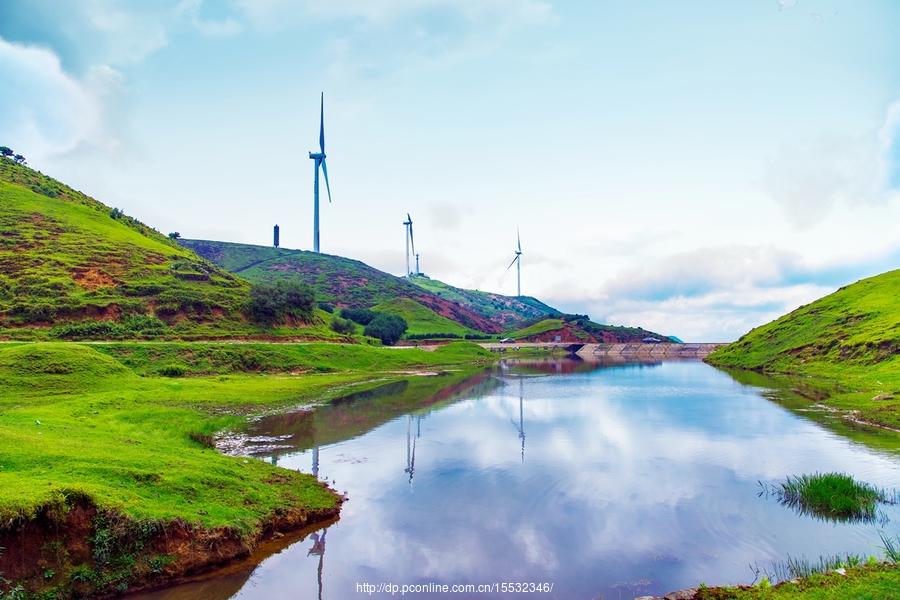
{"points": [[518, 262], [319, 157], [409, 240]]}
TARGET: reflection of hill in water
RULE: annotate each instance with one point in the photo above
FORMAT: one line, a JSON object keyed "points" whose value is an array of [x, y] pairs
{"points": [[355, 414], [578, 364]]}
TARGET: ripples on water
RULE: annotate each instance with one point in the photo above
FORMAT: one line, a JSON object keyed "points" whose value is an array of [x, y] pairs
{"points": [[615, 481]]}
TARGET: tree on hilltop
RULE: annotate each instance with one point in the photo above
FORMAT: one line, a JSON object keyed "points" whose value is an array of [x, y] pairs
{"points": [[6, 151], [19, 159]]}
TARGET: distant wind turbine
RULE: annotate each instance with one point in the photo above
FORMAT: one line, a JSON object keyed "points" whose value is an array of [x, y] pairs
{"points": [[518, 262], [319, 157], [409, 240]]}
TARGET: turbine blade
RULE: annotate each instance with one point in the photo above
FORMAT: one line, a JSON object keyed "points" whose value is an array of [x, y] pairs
{"points": [[411, 240], [322, 127], [512, 263], [518, 239], [325, 172]]}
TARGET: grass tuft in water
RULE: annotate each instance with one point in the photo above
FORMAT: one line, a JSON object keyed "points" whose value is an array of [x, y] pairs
{"points": [[802, 567], [831, 496]]}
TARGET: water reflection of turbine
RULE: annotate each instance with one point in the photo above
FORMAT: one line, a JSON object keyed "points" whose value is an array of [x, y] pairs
{"points": [[520, 426], [411, 447], [315, 461], [319, 548]]}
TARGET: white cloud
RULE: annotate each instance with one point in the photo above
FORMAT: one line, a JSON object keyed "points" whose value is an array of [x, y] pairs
{"points": [[47, 111], [783, 4]]}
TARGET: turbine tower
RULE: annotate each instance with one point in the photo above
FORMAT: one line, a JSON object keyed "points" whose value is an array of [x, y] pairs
{"points": [[409, 240], [319, 157], [518, 262]]}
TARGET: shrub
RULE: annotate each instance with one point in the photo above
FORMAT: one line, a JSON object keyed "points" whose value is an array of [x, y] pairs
{"points": [[329, 308], [144, 324], [387, 328], [173, 371], [88, 330], [362, 316], [343, 326], [271, 304]]}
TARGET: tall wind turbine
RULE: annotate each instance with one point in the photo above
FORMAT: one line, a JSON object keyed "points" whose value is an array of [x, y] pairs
{"points": [[319, 157], [409, 240], [518, 262]]}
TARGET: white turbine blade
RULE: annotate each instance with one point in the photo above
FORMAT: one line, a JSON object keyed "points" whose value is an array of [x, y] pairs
{"points": [[325, 172], [512, 263]]}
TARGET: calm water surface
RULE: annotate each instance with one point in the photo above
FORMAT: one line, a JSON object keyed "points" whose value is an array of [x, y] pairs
{"points": [[612, 481]]}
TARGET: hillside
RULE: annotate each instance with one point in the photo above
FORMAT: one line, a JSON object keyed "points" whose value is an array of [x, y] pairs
{"points": [[337, 280], [850, 339], [66, 257], [421, 319], [579, 329], [505, 311], [858, 325]]}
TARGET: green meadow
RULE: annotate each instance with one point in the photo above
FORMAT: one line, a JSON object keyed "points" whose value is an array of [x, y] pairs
{"points": [[99, 421]]}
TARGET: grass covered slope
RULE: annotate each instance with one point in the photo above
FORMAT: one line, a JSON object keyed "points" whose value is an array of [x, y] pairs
{"points": [[578, 329], [340, 281], [856, 326], [505, 311], [65, 256], [851, 337], [421, 319]]}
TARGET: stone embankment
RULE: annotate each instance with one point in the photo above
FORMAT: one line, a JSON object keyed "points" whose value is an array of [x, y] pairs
{"points": [[661, 351]]}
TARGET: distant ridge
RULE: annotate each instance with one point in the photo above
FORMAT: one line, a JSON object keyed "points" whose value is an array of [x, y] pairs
{"points": [[343, 282]]}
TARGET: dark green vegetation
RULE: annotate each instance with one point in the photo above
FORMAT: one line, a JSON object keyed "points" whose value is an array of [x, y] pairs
{"points": [[95, 430], [387, 328], [285, 301], [850, 337], [339, 281], [831, 496]]}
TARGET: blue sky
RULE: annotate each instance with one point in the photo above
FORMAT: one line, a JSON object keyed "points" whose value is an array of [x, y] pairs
{"points": [[695, 167]]}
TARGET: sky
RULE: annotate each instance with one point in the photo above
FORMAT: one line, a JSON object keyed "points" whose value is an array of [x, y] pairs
{"points": [[696, 168]]}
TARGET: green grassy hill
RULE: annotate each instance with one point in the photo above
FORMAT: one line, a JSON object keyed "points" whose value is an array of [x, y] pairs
{"points": [[856, 326], [340, 281], [66, 256], [505, 311], [850, 338], [421, 319], [576, 329], [73, 268]]}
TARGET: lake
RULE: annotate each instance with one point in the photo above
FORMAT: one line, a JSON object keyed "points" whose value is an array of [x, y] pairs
{"points": [[609, 480]]}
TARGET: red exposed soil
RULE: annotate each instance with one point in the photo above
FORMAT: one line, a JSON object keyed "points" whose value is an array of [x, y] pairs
{"points": [[60, 542], [92, 278]]}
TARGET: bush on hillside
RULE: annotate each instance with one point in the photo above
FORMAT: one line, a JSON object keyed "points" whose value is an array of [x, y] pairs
{"points": [[359, 315], [388, 328], [329, 308], [343, 326], [271, 304]]}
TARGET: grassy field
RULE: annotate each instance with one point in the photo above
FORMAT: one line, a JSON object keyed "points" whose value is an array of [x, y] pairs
{"points": [[93, 418], [850, 338], [422, 320], [879, 582], [537, 328]]}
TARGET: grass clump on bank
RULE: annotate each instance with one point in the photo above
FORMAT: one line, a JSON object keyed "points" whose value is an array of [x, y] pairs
{"points": [[831, 496], [875, 582]]}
